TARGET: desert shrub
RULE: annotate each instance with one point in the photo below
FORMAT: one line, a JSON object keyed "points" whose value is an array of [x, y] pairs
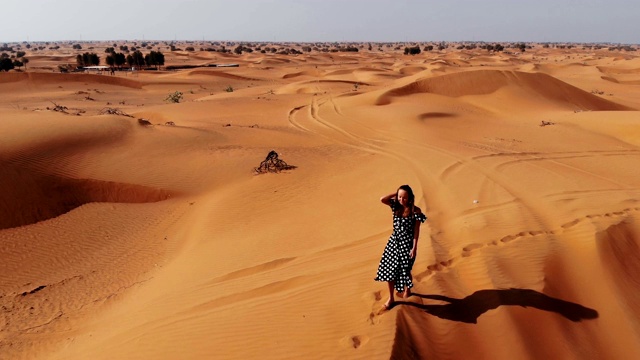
{"points": [[272, 164], [77, 46], [229, 89], [174, 97], [20, 54], [190, 48], [428, 48], [414, 50]]}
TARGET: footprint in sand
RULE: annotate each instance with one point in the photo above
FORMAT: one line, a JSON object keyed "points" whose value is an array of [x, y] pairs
{"points": [[355, 341], [508, 238], [570, 224], [469, 248], [358, 341]]}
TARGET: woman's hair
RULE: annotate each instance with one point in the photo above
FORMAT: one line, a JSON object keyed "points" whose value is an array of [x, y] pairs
{"points": [[409, 191]]}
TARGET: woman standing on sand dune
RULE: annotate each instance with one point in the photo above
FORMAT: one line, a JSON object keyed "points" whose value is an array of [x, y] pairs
{"points": [[400, 253]]}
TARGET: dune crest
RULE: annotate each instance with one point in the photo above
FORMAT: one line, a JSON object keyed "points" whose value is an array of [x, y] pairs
{"points": [[486, 82]]}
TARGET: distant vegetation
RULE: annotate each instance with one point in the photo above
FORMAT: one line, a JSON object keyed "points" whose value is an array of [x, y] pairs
{"points": [[87, 59], [5, 63], [17, 58], [415, 50]]}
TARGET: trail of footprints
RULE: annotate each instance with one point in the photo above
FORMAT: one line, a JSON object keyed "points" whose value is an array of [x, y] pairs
{"points": [[470, 249]]}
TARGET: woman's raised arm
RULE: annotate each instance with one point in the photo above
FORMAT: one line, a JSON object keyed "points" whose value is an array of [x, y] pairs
{"points": [[387, 199]]}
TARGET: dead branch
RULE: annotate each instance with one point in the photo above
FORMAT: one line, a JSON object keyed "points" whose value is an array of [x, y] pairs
{"points": [[272, 164], [113, 111]]}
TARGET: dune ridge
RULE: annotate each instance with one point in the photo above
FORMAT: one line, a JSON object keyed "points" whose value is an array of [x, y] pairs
{"points": [[485, 82], [53, 78]]}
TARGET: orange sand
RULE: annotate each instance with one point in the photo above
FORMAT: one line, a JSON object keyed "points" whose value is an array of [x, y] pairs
{"points": [[120, 241]]}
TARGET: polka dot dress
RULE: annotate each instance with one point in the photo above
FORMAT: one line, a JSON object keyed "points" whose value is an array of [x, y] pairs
{"points": [[396, 264]]}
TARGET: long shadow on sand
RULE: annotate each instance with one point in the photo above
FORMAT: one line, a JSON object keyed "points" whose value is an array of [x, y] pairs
{"points": [[471, 307]]}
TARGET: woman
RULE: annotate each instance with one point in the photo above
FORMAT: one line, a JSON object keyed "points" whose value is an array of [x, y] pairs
{"points": [[400, 253]]}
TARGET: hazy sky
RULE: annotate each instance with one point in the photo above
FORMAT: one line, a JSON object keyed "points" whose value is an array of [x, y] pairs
{"points": [[322, 20]]}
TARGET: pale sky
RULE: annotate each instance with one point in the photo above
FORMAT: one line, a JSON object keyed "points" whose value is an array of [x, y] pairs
{"points": [[615, 21]]}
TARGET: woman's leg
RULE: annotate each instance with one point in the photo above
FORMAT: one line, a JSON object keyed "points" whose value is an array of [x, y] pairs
{"points": [[407, 290], [391, 285]]}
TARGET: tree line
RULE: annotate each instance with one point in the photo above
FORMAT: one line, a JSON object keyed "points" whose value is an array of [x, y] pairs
{"points": [[8, 62], [117, 59]]}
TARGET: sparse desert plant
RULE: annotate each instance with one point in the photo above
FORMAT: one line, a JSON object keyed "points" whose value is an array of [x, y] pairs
{"points": [[174, 97], [229, 89]]}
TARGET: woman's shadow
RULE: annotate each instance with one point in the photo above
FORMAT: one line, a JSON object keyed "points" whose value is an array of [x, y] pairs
{"points": [[471, 307]]}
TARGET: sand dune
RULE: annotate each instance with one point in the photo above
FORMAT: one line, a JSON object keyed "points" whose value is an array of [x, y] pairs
{"points": [[127, 241], [485, 82], [52, 78], [37, 197]]}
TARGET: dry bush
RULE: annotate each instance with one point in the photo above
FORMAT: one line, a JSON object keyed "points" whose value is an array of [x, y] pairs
{"points": [[272, 164]]}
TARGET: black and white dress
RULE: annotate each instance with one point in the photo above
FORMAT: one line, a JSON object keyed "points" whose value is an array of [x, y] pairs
{"points": [[396, 264]]}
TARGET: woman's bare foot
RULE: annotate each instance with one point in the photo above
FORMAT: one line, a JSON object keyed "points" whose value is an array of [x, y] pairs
{"points": [[388, 304], [406, 293]]}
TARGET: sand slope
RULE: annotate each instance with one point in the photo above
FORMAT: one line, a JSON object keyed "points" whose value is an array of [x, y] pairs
{"points": [[119, 240]]}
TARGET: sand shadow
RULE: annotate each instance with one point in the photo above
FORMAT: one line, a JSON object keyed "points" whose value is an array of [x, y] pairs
{"points": [[468, 309]]}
